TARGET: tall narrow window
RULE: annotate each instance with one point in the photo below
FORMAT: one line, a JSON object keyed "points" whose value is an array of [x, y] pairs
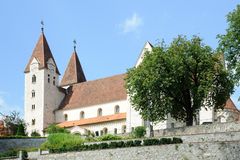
{"points": [[33, 106], [99, 112], [33, 121], [33, 94], [54, 81], [49, 78], [115, 130], [65, 117], [116, 109], [105, 130], [82, 115], [34, 79], [124, 129]]}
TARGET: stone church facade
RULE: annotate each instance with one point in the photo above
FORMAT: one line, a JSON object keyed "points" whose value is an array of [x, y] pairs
{"points": [[99, 106]]}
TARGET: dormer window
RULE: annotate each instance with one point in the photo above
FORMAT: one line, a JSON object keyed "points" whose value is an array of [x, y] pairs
{"points": [[99, 112], [34, 79], [33, 94]]}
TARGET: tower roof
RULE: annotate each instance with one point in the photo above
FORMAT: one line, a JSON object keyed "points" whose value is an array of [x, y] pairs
{"points": [[74, 72], [42, 53]]}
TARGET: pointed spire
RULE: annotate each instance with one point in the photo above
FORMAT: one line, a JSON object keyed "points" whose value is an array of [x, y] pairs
{"points": [[42, 53], [74, 72]]}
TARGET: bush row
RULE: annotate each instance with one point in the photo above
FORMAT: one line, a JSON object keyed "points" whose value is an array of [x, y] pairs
{"points": [[118, 144]]}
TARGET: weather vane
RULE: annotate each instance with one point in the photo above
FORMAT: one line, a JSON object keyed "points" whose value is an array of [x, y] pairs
{"points": [[74, 44], [42, 28]]}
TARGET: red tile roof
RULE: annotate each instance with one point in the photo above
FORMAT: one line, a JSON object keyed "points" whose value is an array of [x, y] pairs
{"points": [[42, 53], [74, 72], [94, 120], [95, 92], [230, 105]]}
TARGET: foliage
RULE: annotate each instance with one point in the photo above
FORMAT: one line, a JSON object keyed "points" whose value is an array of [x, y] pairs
{"points": [[10, 153], [62, 141], [117, 144], [178, 79], [176, 140], [21, 130], [139, 132], [229, 43], [55, 129], [109, 137], [35, 134], [12, 122]]}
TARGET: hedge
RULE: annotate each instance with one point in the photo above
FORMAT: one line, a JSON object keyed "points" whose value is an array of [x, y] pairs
{"points": [[118, 144]]}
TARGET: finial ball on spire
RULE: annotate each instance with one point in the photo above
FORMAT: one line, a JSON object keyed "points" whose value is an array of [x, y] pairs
{"points": [[42, 23], [74, 44]]}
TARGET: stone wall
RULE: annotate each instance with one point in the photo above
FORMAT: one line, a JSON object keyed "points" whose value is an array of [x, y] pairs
{"points": [[6, 144], [187, 151], [200, 129]]}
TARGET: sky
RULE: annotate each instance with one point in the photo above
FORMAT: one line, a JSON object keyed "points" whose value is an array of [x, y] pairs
{"points": [[109, 34]]}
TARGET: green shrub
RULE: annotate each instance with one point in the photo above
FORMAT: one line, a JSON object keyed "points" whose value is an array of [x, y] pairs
{"points": [[165, 141], [21, 130], [103, 146], [109, 137], [176, 140], [10, 153], [62, 141], [35, 134], [149, 142], [137, 143], [55, 129], [139, 132], [129, 144], [119, 144]]}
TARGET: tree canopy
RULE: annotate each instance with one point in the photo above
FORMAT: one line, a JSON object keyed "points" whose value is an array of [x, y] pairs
{"points": [[229, 43], [178, 79]]}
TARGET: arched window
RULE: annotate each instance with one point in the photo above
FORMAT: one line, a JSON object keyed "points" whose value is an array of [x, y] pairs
{"points": [[115, 130], [33, 121], [33, 94], [34, 79], [65, 117], [116, 109], [48, 78], [124, 129], [99, 112], [33, 106], [82, 115], [105, 130], [54, 81]]}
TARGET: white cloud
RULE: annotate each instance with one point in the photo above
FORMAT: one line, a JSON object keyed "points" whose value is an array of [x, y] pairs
{"points": [[131, 24]]}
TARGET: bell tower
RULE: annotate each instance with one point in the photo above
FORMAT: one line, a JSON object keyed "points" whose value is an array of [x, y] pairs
{"points": [[42, 94]]}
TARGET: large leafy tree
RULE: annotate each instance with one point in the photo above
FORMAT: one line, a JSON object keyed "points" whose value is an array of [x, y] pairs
{"points": [[178, 80], [229, 43]]}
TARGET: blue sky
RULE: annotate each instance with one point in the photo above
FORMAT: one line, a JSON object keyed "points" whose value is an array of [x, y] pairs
{"points": [[109, 34]]}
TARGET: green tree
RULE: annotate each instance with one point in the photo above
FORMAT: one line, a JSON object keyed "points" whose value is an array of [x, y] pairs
{"points": [[13, 121], [178, 80], [229, 43], [56, 129], [21, 130]]}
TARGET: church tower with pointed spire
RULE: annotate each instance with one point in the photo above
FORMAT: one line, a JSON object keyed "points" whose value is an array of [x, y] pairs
{"points": [[42, 94], [74, 72]]}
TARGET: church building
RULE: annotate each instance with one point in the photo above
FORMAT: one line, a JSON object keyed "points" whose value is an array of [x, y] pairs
{"points": [[99, 106]]}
